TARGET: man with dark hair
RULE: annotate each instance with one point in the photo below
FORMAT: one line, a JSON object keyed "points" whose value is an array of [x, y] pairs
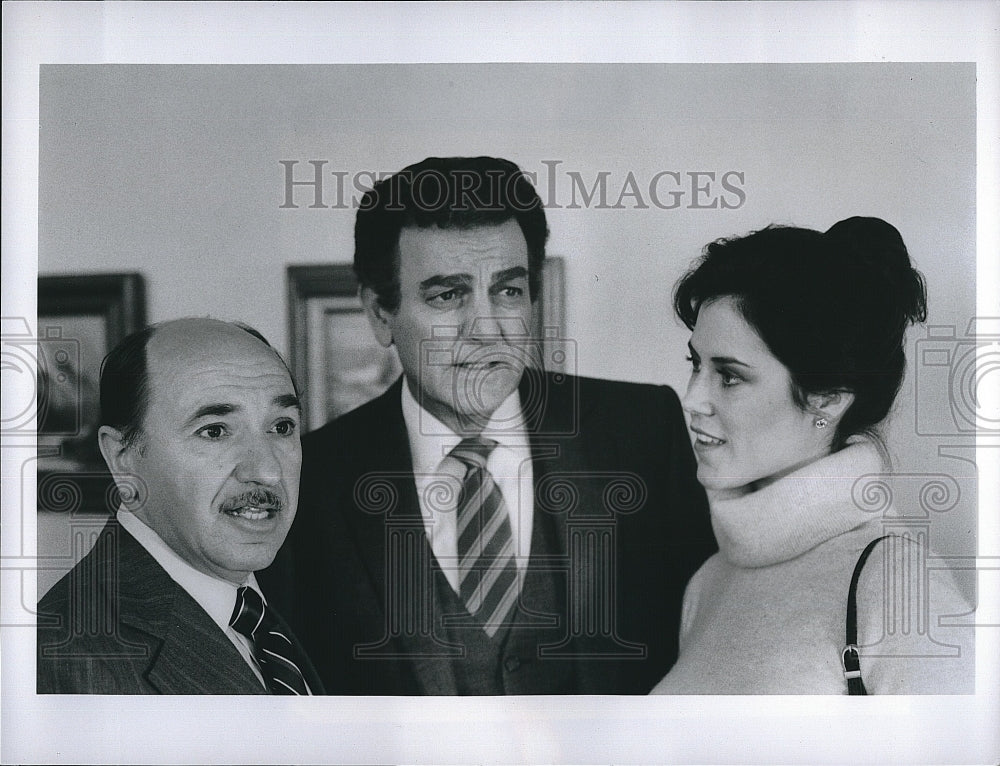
{"points": [[200, 429], [445, 192], [485, 527]]}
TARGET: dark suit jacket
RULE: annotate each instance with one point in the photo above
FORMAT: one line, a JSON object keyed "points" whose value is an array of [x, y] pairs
{"points": [[118, 624], [611, 457]]}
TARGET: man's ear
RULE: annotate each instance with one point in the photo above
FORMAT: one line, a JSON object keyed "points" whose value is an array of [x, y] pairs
{"points": [[378, 317], [119, 456], [830, 405], [121, 459]]}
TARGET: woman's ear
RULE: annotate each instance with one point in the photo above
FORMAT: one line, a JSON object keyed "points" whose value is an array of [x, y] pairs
{"points": [[830, 406], [378, 317]]}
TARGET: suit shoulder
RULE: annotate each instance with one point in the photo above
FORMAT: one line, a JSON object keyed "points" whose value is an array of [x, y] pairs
{"points": [[621, 387], [88, 576], [357, 422], [56, 598], [655, 400]]}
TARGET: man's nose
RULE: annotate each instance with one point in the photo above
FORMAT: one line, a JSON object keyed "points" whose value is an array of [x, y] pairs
{"points": [[480, 321], [258, 464], [486, 322]]}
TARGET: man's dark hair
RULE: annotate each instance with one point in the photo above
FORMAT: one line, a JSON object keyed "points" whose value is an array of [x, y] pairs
{"points": [[446, 192], [125, 381]]}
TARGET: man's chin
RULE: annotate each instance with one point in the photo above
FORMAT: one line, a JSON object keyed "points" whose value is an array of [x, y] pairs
{"points": [[253, 557]]}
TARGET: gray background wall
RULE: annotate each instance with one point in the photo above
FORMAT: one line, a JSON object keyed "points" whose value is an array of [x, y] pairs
{"points": [[174, 171]]}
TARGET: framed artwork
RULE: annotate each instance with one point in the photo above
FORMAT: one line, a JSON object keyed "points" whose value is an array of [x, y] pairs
{"points": [[333, 351], [80, 319]]}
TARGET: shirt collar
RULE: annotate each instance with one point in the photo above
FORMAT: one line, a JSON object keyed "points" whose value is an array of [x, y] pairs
{"points": [[431, 440], [216, 596]]}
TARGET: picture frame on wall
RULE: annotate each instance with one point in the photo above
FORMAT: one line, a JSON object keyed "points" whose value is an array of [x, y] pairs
{"points": [[335, 357], [80, 319]]}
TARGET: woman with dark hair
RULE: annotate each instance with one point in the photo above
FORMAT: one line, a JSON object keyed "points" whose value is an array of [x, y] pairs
{"points": [[797, 354]]}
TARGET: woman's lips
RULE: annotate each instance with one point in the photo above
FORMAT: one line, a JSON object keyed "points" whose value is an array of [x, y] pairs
{"points": [[707, 439]]}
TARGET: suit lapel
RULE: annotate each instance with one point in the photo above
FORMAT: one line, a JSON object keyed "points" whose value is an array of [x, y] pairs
{"points": [[566, 487], [195, 656], [387, 494], [387, 505], [552, 413], [198, 658]]}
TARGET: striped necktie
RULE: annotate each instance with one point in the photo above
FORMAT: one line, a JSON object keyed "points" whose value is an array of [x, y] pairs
{"points": [[272, 648], [487, 571]]}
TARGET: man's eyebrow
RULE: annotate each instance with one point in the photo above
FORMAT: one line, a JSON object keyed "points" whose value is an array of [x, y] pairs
{"points": [[516, 272], [282, 401], [211, 411], [287, 400], [447, 280]]}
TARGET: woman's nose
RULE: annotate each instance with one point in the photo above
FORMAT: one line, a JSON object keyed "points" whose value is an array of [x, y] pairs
{"points": [[696, 400]]}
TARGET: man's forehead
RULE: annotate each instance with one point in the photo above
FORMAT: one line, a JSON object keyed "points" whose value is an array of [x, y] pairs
{"points": [[483, 251], [192, 361], [194, 337]]}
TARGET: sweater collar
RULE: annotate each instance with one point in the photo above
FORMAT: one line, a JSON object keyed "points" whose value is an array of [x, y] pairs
{"points": [[797, 512]]}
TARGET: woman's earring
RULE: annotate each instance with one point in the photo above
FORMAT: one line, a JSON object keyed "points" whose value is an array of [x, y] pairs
{"points": [[821, 422]]}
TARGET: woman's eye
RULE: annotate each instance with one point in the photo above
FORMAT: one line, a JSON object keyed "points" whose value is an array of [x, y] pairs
{"points": [[728, 379], [213, 431]]}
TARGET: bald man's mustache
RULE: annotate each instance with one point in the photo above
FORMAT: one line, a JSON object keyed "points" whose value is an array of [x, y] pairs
{"points": [[257, 499]]}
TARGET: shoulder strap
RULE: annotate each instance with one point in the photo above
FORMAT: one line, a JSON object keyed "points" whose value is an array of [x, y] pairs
{"points": [[850, 658]]}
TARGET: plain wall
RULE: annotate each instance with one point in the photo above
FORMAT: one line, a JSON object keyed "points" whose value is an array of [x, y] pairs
{"points": [[174, 171]]}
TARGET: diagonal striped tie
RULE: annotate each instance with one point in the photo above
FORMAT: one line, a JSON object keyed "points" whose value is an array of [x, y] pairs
{"points": [[272, 648], [487, 571]]}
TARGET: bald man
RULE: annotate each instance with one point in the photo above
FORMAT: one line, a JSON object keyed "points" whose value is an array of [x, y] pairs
{"points": [[200, 429]]}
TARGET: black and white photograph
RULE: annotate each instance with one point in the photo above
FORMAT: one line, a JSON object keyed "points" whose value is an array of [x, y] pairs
{"points": [[543, 382]]}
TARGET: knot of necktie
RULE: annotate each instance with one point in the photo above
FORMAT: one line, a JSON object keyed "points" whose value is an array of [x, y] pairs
{"points": [[474, 451], [248, 613]]}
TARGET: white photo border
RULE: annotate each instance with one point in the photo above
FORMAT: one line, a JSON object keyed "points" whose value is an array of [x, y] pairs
{"points": [[89, 729]]}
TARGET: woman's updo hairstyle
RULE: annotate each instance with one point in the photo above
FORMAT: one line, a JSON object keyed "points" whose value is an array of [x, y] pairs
{"points": [[833, 308]]}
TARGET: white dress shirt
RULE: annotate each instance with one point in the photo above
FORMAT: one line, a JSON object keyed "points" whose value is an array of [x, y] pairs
{"points": [[217, 597], [509, 463]]}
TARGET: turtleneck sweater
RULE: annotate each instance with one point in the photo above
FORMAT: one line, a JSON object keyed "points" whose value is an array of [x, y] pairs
{"points": [[766, 614]]}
